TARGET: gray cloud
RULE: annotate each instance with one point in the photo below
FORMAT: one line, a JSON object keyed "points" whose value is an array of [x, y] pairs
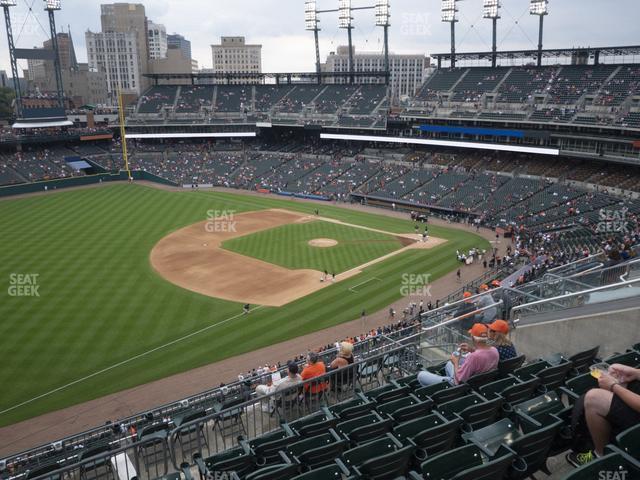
{"points": [[279, 26]]}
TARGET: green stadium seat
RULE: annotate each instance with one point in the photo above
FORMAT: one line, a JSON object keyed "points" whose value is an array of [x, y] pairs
{"points": [[369, 372], [531, 369], [534, 446], [582, 360], [431, 434], [577, 386], [314, 424], [554, 376], [507, 367], [316, 451], [328, 472], [406, 408], [630, 358], [265, 449], [629, 441], [511, 389], [442, 392], [466, 462], [235, 459], [476, 381], [274, 472], [358, 455], [388, 466], [474, 409], [387, 393], [365, 428], [352, 408]]}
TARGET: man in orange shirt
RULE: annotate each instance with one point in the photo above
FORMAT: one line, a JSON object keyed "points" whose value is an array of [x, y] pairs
{"points": [[314, 368]]}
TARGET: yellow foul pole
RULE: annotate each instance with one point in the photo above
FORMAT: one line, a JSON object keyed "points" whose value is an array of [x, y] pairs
{"points": [[123, 137]]}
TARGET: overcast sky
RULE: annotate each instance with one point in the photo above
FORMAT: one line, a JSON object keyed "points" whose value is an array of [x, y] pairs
{"points": [[279, 26]]}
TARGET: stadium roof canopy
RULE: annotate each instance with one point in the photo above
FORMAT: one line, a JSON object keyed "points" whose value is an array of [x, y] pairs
{"points": [[595, 53]]}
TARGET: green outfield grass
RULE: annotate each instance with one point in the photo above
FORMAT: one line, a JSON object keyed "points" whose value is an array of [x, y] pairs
{"points": [[288, 246], [100, 303]]}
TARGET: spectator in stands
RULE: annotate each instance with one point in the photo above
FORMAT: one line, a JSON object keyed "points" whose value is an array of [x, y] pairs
{"points": [[314, 368], [482, 359], [498, 332], [465, 312], [609, 409], [292, 379], [344, 359], [485, 301]]}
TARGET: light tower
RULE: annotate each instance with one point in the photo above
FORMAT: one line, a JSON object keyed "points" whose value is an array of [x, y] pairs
{"points": [[540, 8], [52, 6], [449, 10], [383, 14], [311, 22], [344, 21], [6, 4], [491, 11]]}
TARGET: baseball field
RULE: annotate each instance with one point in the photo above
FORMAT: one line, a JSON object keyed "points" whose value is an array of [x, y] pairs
{"points": [[112, 287]]}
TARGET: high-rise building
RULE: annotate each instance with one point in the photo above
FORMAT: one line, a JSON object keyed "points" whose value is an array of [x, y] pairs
{"points": [[157, 37], [121, 50], [233, 55], [407, 71], [66, 49], [116, 54], [175, 40]]}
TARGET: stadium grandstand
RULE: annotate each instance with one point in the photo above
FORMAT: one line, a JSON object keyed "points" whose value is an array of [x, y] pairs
{"points": [[504, 194]]}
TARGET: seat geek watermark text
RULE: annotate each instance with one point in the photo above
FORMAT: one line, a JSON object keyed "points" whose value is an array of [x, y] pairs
{"points": [[220, 221], [23, 285]]}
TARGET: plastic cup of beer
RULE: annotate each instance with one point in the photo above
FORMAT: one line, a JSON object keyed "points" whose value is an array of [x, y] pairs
{"points": [[598, 369]]}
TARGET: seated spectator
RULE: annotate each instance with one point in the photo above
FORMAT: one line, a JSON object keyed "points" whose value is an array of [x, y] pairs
{"points": [[608, 410], [482, 359], [498, 332], [314, 368], [465, 310], [344, 359], [292, 379], [489, 315]]}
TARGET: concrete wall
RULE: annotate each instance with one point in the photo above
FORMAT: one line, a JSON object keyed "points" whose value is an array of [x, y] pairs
{"points": [[614, 331]]}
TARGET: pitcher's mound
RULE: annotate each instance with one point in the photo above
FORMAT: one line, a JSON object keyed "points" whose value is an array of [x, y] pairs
{"points": [[323, 242]]}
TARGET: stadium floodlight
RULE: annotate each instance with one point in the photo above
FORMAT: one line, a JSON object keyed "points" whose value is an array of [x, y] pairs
{"points": [[449, 9], [8, 3], [539, 7], [491, 8], [344, 14], [310, 15], [383, 13], [53, 4]]}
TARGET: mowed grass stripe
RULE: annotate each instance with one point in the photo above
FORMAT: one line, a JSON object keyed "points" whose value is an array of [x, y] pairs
{"points": [[288, 246], [102, 303]]}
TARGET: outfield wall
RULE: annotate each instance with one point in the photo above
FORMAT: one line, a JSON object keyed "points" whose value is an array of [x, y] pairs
{"points": [[60, 183]]}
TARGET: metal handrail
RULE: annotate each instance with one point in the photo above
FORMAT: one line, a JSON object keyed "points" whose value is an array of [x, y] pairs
{"points": [[573, 294]]}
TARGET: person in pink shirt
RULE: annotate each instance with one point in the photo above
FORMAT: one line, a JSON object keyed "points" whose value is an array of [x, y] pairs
{"points": [[483, 359]]}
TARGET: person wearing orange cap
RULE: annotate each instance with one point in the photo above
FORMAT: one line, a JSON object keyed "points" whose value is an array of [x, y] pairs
{"points": [[498, 332], [483, 358], [465, 312]]}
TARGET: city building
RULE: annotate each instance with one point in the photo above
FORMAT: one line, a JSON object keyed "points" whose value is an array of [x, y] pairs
{"points": [[116, 54], [234, 55], [157, 37], [407, 71], [194, 66], [121, 49], [173, 62], [175, 40]]}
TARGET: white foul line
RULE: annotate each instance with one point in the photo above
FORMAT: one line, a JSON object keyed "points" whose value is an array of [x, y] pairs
{"points": [[116, 365]]}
